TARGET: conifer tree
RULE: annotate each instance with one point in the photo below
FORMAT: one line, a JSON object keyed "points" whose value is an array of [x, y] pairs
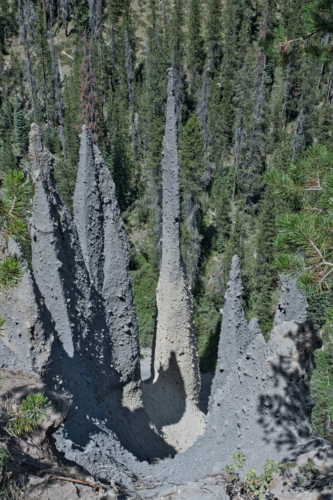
{"points": [[57, 82], [43, 67], [7, 157], [72, 93], [177, 55], [191, 173], [221, 196], [89, 101], [195, 44], [214, 29], [80, 17], [265, 270], [24, 27], [20, 127]]}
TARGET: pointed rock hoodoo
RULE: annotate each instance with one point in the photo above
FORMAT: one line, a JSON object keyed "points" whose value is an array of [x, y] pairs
{"points": [[236, 334], [176, 366], [292, 303], [81, 359], [264, 409], [106, 254], [88, 211]]}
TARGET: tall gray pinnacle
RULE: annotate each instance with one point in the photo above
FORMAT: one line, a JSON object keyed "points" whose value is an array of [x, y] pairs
{"points": [[176, 366], [292, 303], [88, 211], [171, 268], [106, 253], [82, 360], [236, 334]]}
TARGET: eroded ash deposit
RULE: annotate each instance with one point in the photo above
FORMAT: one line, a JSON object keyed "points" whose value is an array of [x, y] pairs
{"points": [[72, 321]]}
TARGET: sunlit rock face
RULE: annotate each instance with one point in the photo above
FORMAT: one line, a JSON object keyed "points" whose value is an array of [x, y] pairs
{"points": [[25, 344], [78, 329], [292, 303], [236, 334], [106, 255], [176, 387], [260, 402]]}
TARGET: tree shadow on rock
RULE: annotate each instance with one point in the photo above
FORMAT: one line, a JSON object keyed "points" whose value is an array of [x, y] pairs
{"points": [[285, 404]]}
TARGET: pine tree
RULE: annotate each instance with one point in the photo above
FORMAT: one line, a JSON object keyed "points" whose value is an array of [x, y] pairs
{"points": [[7, 157], [235, 246], [44, 72], [24, 28], [20, 127], [72, 92], [195, 44], [191, 174], [265, 271], [214, 29], [221, 195], [80, 17], [121, 158], [177, 55], [89, 100]]}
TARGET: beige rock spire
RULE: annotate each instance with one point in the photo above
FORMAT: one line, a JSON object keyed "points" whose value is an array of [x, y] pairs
{"points": [[176, 366]]}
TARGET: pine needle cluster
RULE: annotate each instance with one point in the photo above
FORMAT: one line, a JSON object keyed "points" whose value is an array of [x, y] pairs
{"points": [[31, 411], [305, 241]]}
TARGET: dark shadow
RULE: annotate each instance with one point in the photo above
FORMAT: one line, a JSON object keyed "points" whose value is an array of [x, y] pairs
{"points": [[97, 406], [98, 415], [206, 385], [165, 400]]}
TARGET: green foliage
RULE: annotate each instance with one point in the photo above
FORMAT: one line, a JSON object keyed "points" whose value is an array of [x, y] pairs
{"points": [[144, 275], [191, 157], [31, 411], [80, 17], [304, 241], [207, 320], [14, 202], [195, 49], [191, 174], [11, 272], [265, 272], [20, 127], [253, 486], [3, 456], [322, 392], [2, 322]]}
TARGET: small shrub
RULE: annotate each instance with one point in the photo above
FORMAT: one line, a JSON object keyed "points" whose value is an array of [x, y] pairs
{"points": [[253, 486], [32, 410], [11, 271]]}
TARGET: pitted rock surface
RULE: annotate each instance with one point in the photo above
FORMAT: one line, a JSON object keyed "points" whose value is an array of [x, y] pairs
{"points": [[81, 362], [292, 303], [106, 254], [263, 409], [88, 211], [236, 334]]}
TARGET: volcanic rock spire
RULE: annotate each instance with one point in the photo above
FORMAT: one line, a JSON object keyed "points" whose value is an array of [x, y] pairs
{"points": [[292, 303], [176, 366], [236, 334], [106, 254]]}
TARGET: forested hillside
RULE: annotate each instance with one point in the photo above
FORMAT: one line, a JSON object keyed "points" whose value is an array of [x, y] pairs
{"points": [[254, 87]]}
